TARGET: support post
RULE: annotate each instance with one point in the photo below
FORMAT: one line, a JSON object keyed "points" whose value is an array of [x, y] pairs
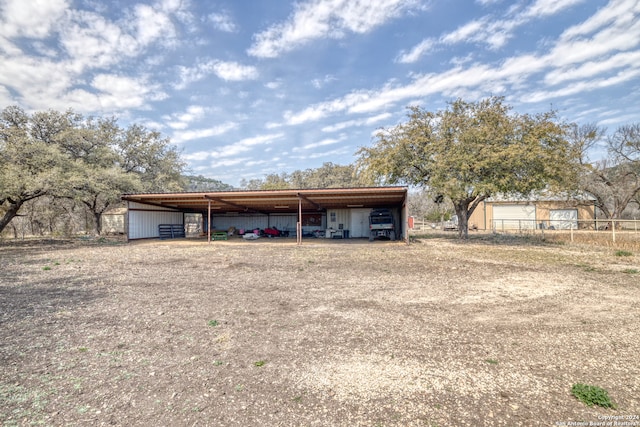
{"points": [[299, 223], [209, 224]]}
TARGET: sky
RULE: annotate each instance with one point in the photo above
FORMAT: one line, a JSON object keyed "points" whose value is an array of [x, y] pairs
{"points": [[246, 88]]}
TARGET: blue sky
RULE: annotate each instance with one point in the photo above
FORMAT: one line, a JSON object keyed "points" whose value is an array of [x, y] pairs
{"points": [[247, 88]]}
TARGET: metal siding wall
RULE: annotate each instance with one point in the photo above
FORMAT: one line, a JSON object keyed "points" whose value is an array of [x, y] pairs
{"points": [[563, 219], [284, 221], [342, 217], [144, 224], [404, 230], [478, 217], [514, 216], [223, 222]]}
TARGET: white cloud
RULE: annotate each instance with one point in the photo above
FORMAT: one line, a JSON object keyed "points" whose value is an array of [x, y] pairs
{"points": [[5, 96], [33, 19], [91, 41], [111, 94], [273, 125], [121, 92], [182, 120], [230, 71], [225, 163], [318, 19], [582, 86], [622, 34], [615, 12], [35, 79], [489, 30], [593, 68], [619, 120], [179, 9], [234, 71], [152, 24], [542, 8], [319, 83], [190, 75], [77, 48], [190, 135], [468, 31], [337, 153], [416, 52], [576, 57], [245, 145], [273, 85], [323, 143], [222, 22], [360, 122], [198, 156]]}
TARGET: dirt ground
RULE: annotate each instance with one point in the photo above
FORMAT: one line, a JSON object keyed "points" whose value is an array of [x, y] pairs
{"points": [[491, 332]]}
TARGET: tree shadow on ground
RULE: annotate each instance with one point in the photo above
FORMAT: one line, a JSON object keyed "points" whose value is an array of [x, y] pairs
{"points": [[18, 302]]}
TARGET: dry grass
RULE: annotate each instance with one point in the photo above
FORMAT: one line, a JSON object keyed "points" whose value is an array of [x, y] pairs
{"points": [[494, 331], [624, 240]]}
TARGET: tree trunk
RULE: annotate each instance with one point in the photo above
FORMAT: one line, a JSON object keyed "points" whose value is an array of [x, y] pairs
{"points": [[14, 207], [97, 216], [462, 210]]}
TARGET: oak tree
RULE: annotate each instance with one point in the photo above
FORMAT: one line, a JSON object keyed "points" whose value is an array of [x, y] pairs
{"points": [[90, 161], [31, 166], [470, 151], [613, 179]]}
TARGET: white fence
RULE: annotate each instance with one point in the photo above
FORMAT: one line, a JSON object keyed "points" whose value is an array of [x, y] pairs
{"points": [[566, 224], [612, 228]]}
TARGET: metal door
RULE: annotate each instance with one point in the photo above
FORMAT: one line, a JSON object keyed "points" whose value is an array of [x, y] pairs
{"points": [[563, 219], [359, 223]]}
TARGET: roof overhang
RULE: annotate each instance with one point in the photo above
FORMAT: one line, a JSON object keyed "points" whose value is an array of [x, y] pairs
{"points": [[276, 201]]}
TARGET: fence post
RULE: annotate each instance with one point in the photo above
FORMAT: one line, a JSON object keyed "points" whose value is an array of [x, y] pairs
{"points": [[571, 232], [613, 227]]}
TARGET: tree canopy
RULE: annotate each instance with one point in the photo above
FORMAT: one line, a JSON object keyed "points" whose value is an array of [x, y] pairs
{"points": [[88, 160], [470, 151], [201, 183], [329, 175], [614, 179]]}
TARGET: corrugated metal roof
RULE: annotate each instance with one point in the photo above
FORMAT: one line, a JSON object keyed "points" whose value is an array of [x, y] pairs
{"points": [[271, 201], [543, 196]]}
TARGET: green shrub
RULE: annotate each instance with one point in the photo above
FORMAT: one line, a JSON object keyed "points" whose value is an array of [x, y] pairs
{"points": [[592, 395], [623, 253]]}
